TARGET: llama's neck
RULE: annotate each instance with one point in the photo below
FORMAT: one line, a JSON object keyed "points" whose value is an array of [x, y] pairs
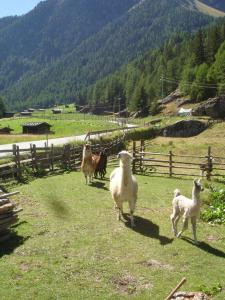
{"points": [[195, 196], [126, 173]]}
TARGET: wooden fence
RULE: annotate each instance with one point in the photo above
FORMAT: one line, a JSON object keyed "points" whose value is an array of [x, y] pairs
{"points": [[171, 164], [37, 160]]}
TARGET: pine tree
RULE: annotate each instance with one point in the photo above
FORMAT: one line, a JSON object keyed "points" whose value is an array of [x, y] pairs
{"points": [[2, 108], [198, 49]]}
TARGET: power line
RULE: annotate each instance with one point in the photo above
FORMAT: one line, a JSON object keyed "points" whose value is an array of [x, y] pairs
{"points": [[203, 85]]}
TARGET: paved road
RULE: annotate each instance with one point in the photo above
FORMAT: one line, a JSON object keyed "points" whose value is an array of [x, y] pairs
{"points": [[41, 143], [55, 142]]}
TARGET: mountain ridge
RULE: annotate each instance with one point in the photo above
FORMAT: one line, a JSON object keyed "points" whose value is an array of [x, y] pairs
{"points": [[59, 67]]}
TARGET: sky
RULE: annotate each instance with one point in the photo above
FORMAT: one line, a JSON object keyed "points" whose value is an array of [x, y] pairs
{"points": [[16, 7]]}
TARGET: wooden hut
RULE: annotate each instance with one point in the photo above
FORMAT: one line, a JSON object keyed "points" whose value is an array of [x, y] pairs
{"points": [[56, 111], [26, 113], [9, 114], [36, 128], [5, 130]]}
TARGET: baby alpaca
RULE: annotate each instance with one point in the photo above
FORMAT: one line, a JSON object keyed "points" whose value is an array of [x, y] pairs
{"points": [[190, 208], [123, 185]]}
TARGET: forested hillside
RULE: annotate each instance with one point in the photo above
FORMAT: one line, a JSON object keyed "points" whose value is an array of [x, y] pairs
{"points": [[51, 31], [195, 64], [61, 47]]}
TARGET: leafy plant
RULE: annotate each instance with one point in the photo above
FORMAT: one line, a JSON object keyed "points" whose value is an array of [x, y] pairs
{"points": [[211, 291], [215, 212]]}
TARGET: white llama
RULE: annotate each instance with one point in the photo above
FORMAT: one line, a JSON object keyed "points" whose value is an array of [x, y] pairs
{"points": [[123, 185], [87, 165], [190, 208]]}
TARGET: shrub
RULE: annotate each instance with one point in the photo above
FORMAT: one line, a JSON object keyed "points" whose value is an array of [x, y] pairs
{"points": [[215, 212]]}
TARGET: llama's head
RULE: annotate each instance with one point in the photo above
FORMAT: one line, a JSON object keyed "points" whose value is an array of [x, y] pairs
{"points": [[87, 150], [198, 185], [125, 157]]}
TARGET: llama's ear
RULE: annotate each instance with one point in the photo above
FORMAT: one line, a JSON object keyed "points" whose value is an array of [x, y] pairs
{"points": [[195, 181]]}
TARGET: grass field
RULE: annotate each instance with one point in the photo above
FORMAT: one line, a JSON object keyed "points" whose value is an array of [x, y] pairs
{"points": [[197, 145], [69, 244], [62, 127]]}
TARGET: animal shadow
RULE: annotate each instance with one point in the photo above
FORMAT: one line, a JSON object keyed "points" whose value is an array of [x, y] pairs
{"points": [[205, 247], [147, 228], [99, 185]]}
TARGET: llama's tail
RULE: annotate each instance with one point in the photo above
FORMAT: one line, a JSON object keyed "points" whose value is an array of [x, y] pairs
{"points": [[176, 193]]}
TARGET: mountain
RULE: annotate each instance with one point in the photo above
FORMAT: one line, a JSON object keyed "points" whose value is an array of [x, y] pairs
{"points": [[193, 63], [217, 4], [63, 46]]}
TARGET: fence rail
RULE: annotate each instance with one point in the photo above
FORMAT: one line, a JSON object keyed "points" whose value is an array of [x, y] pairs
{"points": [[172, 164], [39, 159]]}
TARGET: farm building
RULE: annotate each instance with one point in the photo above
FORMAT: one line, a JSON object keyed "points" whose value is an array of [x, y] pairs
{"points": [[31, 109], [36, 128], [5, 130], [56, 111], [183, 112], [9, 114], [26, 113]]}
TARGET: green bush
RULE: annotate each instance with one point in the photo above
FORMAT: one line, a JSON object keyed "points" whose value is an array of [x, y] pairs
{"points": [[141, 133], [215, 212]]}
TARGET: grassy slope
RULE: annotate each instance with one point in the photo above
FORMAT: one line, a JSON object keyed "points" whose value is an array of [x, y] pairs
{"points": [[76, 249], [197, 145], [206, 9]]}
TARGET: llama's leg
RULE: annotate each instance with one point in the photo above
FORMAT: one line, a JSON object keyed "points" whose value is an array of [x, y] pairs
{"points": [[119, 206], [193, 222], [185, 226], [120, 211], [86, 179], [176, 222], [132, 205], [174, 219]]}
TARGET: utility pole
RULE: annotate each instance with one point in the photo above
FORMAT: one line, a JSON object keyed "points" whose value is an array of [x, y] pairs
{"points": [[119, 105], [162, 86]]}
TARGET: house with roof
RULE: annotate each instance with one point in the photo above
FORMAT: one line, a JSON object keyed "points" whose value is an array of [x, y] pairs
{"points": [[26, 113], [57, 111], [36, 128]]}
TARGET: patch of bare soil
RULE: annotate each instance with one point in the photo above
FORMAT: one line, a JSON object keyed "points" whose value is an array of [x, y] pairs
{"points": [[128, 284], [212, 238], [152, 263], [190, 296]]}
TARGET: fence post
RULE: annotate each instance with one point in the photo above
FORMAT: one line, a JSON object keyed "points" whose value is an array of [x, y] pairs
{"points": [[14, 149], [134, 157], [19, 172], [209, 164], [14, 154], [52, 157], [170, 163], [34, 157], [69, 156], [142, 155]]}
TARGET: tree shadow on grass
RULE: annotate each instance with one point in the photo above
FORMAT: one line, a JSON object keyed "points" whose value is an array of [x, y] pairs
{"points": [[147, 228], [60, 208], [205, 247], [99, 185], [8, 246]]}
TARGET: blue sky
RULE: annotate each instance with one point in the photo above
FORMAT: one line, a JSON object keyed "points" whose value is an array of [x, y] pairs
{"points": [[16, 7]]}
